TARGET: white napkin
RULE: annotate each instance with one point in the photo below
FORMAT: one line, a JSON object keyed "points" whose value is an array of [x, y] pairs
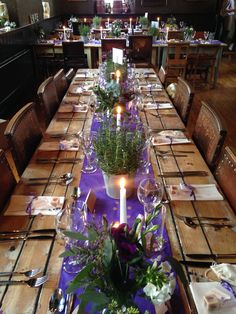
{"points": [[73, 108], [157, 88], [69, 145], [149, 106], [170, 137], [199, 289], [45, 205], [201, 191], [225, 272]]}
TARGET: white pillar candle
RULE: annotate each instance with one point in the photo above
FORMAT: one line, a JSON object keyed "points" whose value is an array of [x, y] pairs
{"points": [[167, 31], [118, 76], [158, 22], [130, 23], [118, 117], [146, 14], [101, 31], [64, 32], [108, 20], [123, 210]]}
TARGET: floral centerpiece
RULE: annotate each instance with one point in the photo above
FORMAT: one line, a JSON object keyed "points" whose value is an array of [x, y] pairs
{"points": [[171, 23], [116, 28], [116, 267]]}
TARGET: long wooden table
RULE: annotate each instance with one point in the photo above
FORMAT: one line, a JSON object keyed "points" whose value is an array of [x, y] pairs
{"points": [[44, 253]]}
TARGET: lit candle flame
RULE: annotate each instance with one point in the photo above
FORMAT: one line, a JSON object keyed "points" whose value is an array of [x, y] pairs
{"points": [[119, 110], [118, 74], [122, 183], [116, 224], [158, 19], [85, 20]]}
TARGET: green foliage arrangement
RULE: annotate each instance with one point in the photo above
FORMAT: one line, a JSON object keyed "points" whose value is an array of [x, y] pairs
{"points": [[116, 28], [97, 21], [84, 30], [143, 20], [171, 23], [153, 31], [116, 268], [118, 151], [106, 98]]}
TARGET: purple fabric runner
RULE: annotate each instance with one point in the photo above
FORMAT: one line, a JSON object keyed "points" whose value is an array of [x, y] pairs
{"points": [[110, 207]]}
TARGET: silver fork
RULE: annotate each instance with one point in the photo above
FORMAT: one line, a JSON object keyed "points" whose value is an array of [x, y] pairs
{"points": [[29, 273], [33, 282]]}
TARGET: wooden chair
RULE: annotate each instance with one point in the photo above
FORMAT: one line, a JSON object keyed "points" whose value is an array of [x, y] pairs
{"points": [[74, 56], [61, 84], [176, 61], [49, 102], [70, 75], [183, 99], [177, 35], [140, 50], [109, 43], [209, 134], [23, 134], [45, 58], [162, 75], [225, 174], [201, 65], [7, 180]]}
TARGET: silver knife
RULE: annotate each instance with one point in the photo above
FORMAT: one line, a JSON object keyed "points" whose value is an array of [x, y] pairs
{"points": [[172, 174], [214, 256], [69, 303], [16, 232], [25, 237]]}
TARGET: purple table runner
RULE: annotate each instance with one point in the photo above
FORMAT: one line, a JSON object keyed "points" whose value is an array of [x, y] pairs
{"points": [[111, 208]]}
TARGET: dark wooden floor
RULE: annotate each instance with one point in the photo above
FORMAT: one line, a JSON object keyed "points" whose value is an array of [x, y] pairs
{"points": [[222, 99]]}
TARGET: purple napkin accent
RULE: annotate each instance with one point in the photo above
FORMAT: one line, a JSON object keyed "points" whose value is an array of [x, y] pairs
{"points": [[110, 207], [29, 207]]}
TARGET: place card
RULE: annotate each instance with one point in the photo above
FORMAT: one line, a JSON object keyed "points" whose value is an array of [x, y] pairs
{"points": [[44, 205], [117, 55], [91, 200], [199, 192]]}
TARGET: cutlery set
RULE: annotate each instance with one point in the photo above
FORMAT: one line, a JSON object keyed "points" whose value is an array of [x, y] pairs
{"points": [[180, 174], [40, 234], [59, 161], [58, 303], [31, 282]]}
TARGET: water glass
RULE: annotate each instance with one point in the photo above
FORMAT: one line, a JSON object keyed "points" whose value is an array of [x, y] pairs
{"points": [[150, 193], [206, 35], [87, 144]]}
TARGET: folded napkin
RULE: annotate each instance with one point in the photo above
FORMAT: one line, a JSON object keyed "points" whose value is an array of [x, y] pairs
{"points": [[170, 137], [149, 106], [20, 205], [155, 88], [225, 272], [70, 145], [199, 289], [73, 108], [69, 100], [201, 192]]}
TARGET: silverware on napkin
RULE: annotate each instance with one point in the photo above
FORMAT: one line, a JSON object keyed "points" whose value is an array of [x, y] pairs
{"points": [[171, 174], [69, 303]]}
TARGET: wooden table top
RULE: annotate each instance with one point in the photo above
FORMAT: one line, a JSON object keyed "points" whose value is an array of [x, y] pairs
{"points": [[23, 255]]}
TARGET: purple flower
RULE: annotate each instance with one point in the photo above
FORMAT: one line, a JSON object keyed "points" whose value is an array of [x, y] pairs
{"points": [[127, 249]]}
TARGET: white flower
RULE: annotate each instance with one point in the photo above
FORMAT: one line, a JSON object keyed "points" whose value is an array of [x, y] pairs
{"points": [[162, 295]]}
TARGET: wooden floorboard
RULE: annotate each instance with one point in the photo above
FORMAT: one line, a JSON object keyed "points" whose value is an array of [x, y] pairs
{"points": [[222, 99]]}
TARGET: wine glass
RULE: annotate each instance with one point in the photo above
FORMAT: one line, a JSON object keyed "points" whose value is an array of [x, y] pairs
{"points": [[60, 35], [162, 24], [71, 218], [87, 144], [181, 24], [206, 35], [150, 193]]}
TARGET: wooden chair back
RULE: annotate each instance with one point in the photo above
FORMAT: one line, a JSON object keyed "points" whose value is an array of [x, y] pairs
{"points": [[140, 49], [48, 98], [225, 174], [178, 35], [109, 43], [183, 99], [23, 134], [162, 75], [73, 54], [61, 84], [70, 75], [209, 134], [44, 50], [176, 61], [7, 180]]}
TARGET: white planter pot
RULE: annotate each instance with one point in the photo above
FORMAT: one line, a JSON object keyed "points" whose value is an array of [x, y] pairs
{"points": [[112, 184], [84, 39]]}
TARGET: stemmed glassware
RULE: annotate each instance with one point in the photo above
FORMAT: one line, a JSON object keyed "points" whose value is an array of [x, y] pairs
{"points": [[60, 35], [150, 193], [71, 218], [181, 24], [206, 35], [87, 144]]}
